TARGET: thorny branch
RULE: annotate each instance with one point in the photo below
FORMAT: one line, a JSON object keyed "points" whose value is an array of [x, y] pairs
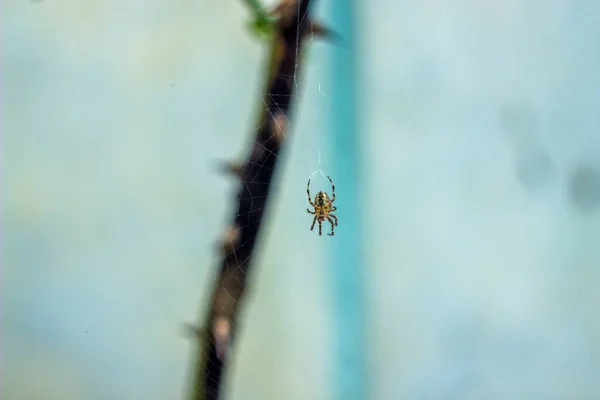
{"points": [[289, 24]]}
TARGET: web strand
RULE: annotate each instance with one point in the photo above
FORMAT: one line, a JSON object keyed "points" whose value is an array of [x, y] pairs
{"points": [[256, 186]]}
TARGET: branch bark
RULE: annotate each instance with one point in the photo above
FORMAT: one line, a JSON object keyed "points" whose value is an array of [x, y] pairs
{"points": [[216, 331]]}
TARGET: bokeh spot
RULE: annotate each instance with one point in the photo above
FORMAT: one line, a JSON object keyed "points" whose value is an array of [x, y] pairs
{"points": [[584, 188], [533, 167]]}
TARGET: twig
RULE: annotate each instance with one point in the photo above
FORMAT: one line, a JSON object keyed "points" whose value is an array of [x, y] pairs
{"points": [[289, 30]]}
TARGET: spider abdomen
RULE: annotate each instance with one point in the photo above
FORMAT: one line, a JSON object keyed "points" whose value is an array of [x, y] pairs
{"points": [[323, 208], [321, 199]]}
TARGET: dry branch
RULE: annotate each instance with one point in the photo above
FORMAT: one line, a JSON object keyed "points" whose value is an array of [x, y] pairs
{"points": [[215, 335]]}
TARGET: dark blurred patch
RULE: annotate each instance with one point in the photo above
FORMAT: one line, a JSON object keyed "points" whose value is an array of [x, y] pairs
{"points": [[533, 167], [584, 188], [518, 120]]}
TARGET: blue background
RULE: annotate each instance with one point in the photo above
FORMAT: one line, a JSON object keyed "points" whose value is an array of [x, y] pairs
{"points": [[482, 270]]}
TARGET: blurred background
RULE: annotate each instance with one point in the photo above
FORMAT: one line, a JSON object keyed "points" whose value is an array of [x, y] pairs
{"points": [[481, 200]]}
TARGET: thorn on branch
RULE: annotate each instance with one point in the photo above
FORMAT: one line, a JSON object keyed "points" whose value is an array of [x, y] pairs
{"points": [[278, 126], [284, 10], [222, 335], [193, 331], [231, 168], [230, 239], [319, 30]]}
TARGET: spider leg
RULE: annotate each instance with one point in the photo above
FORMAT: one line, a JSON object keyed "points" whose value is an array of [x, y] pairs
{"points": [[313, 224], [320, 227], [333, 208], [332, 190], [310, 212], [308, 193], [334, 217], [332, 224]]}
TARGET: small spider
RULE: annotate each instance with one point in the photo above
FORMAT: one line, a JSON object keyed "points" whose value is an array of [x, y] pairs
{"points": [[323, 207]]}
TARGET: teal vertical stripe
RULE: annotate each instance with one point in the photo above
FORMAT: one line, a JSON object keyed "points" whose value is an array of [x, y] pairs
{"points": [[347, 277]]}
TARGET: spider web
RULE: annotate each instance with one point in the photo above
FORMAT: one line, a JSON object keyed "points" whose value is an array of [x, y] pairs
{"points": [[305, 110]]}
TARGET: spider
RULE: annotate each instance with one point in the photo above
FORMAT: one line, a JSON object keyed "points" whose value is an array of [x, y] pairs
{"points": [[323, 208]]}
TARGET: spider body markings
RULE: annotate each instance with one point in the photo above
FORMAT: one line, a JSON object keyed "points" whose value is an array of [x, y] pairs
{"points": [[323, 208]]}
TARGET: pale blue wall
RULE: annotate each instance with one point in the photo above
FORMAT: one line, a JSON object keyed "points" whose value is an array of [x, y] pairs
{"points": [[483, 285]]}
